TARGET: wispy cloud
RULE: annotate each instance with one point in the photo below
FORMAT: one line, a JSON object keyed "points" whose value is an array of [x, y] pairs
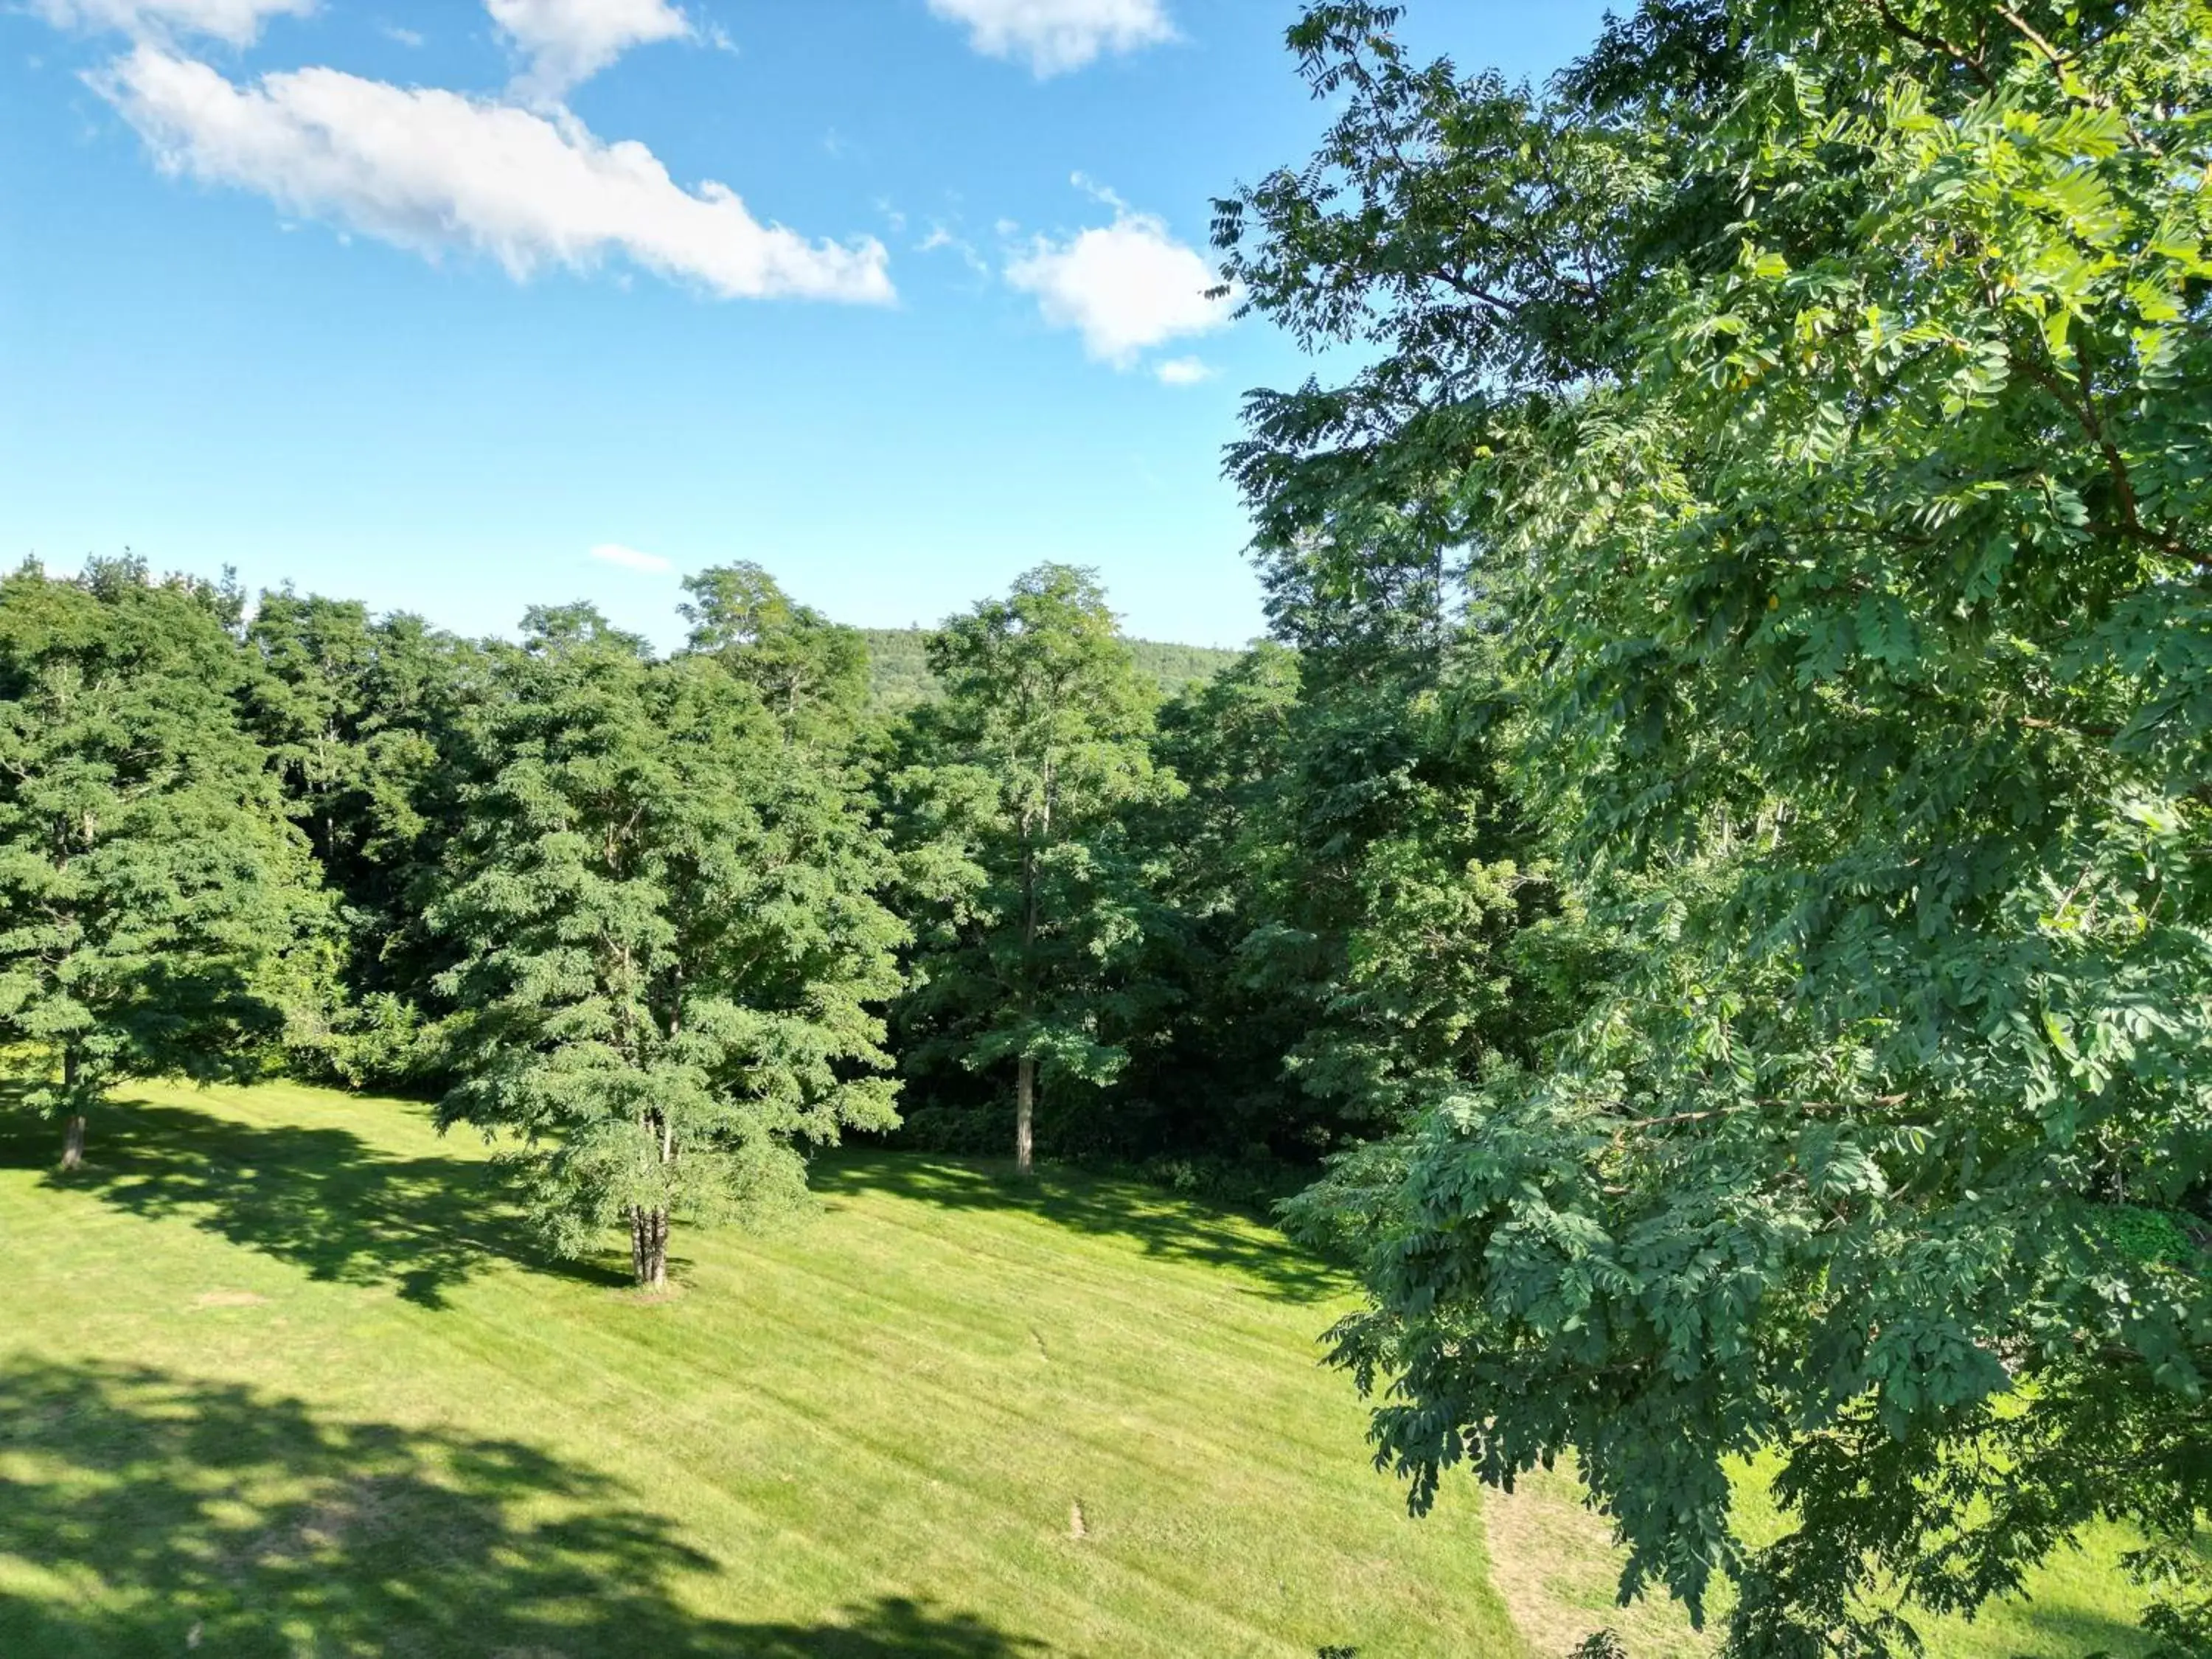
{"points": [[1055, 36], [431, 170], [630, 559], [940, 238], [238, 21], [1182, 371]]}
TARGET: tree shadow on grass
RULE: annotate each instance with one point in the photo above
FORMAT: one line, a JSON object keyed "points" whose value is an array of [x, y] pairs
{"points": [[142, 1512], [321, 1198], [1171, 1228]]}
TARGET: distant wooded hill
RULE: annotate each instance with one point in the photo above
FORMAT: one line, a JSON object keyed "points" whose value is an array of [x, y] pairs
{"points": [[899, 675]]}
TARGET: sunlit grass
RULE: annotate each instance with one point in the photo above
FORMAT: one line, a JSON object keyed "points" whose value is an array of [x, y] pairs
{"points": [[279, 1374], [1558, 1571]]}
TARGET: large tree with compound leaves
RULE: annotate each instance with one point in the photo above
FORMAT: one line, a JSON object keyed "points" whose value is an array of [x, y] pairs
{"points": [[1826, 394], [156, 907], [1032, 894], [671, 959]]}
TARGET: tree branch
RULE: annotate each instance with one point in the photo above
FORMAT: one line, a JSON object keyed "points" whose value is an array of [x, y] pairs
{"points": [[1934, 43]]}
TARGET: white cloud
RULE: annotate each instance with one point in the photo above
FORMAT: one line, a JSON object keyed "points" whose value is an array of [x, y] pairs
{"points": [[630, 559], [405, 37], [571, 40], [1182, 371], [430, 170], [1057, 35], [1125, 287], [238, 21]]}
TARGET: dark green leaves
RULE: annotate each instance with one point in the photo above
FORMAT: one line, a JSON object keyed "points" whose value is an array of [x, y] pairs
{"points": [[155, 908], [1850, 536], [672, 950]]}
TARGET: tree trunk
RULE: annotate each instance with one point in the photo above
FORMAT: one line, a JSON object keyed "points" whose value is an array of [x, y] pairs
{"points": [[73, 1134], [1025, 1109], [649, 1248], [1025, 1067]]}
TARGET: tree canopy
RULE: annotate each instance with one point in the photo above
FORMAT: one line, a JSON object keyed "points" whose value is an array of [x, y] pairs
{"points": [[670, 946], [150, 889], [1819, 396]]}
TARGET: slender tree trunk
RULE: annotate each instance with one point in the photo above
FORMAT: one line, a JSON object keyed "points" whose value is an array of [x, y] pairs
{"points": [[1024, 1109], [73, 1134], [649, 1248], [1025, 1067]]}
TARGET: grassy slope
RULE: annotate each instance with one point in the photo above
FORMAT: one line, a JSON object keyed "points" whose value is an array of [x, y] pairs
{"points": [[274, 1381], [1558, 1571]]}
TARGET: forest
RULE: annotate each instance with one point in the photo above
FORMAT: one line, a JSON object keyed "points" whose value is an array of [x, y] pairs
{"points": [[1700, 904]]}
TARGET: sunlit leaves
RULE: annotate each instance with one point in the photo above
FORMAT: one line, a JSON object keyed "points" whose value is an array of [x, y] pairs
{"points": [[672, 960], [1860, 563]]}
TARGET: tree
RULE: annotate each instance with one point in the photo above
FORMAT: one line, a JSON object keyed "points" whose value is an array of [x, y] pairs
{"points": [[360, 718], [1825, 391], [672, 950], [149, 886], [1358, 889], [812, 673], [1037, 742]]}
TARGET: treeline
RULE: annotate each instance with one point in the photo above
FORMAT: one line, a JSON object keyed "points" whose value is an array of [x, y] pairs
{"points": [[1716, 853], [667, 920], [899, 674]]}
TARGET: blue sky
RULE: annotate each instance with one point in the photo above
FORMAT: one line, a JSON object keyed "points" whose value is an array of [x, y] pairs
{"points": [[459, 307]]}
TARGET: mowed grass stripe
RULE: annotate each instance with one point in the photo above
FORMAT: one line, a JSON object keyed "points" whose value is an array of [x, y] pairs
{"points": [[1139, 1378], [1044, 1406], [797, 1403], [827, 1421], [1164, 1299]]}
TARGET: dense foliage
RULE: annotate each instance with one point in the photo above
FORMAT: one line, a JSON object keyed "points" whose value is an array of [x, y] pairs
{"points": [[899, 674], [1016, 813], [1710, 871], [151, 892], [1819, 398]]}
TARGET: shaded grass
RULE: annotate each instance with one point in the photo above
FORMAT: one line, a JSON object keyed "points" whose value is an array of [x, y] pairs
{"points": [[207, 1514], [320, 1196], [282, 1366]]}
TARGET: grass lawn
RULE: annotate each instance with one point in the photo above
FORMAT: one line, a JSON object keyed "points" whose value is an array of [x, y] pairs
{"points": [[1556, 1567], [280, 1374]]}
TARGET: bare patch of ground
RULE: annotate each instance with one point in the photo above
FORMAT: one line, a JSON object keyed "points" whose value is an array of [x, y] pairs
{"points": [[1556, 1566], [229, 1299]]}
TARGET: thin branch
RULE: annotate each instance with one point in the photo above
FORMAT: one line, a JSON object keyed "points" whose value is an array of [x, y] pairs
{"points": [[1673, 1118], [2130, 526], [2057, 59], [1934, 43]]}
